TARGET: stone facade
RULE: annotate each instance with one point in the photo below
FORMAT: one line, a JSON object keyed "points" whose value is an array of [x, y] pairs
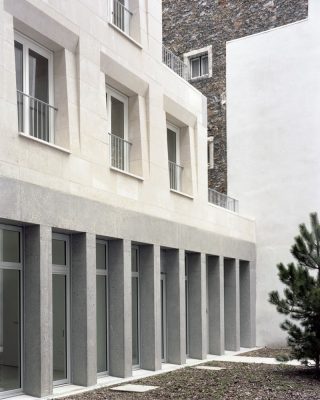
{"points": [[194, 24]]}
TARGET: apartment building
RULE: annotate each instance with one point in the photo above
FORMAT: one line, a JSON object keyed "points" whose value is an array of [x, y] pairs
{"points": [[197, 32], [256, 61], [111, 256]]}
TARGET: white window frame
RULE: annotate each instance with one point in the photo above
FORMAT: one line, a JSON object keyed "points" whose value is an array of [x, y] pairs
{"points": [[177, 131], [210, 152], [66, 271], [111, 92], [18, 267], [27, 44], [200, 58], [104, 272], [193, 54]]}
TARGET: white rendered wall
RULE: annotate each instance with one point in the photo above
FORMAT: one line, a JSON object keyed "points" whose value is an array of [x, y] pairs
{"points": [[273, 115]]}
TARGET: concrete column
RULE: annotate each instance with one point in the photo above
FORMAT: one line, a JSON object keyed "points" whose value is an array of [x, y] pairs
{"points": [[120, 318], [150, 307], [83, 310], [231, 304], [197, 305], [215, 305], [37, 377], [176, 311], [247, 304]]}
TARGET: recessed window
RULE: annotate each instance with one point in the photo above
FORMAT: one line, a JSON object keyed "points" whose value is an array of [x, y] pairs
{"points": [[34, 81], [210, 152], [175, 169], [199, 62], [117, 114], [199, 66]]}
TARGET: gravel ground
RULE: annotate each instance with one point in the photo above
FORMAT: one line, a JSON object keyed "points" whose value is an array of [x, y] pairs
{"points": [[267, 352], [237, 381]]}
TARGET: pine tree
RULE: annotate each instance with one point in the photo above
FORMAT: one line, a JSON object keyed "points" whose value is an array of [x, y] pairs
{"points": [[301, 296]]}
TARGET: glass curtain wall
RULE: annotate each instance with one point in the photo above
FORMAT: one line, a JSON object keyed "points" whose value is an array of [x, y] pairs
{"points": [[10, 308], [102, 306], [135, 307]]}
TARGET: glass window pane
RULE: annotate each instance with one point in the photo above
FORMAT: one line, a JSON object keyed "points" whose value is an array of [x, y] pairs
{"points": [[204, 65], [117, 117], [59, 256], [102, 323], [11, 246], [10, 330], [18, 51], [195, 67], [134, 259], [38, 76], [135, 321], [101, 256], [172, 145], [59, 313]]}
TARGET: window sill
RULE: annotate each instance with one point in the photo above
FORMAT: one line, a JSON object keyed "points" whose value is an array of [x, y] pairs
{"points": [[199, 78], [53, 146], [139, 178], [125, 35], [182, 194]]}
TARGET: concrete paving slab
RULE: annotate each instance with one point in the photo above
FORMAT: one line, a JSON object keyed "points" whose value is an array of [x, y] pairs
{"points": [[134, 388]]}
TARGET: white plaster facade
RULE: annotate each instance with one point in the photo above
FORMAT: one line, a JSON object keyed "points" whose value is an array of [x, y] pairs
{"points": [[67, 190], [273, 90]]}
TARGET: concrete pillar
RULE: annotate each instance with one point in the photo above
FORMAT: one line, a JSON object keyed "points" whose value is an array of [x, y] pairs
{"points": [[176, 312], [231, 304], [37, 377], [83, 310], [120, 319], [197, 305], [215, 305], [247, 304], [150, 307]]}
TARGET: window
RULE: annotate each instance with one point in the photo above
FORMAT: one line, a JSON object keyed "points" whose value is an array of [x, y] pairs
{"points": [[199, 66], [34, 81], [175, 169], [135, 260], [117, 114], [10, 309], [199, 62], [210, 152], [121, 15], [102, 306]]}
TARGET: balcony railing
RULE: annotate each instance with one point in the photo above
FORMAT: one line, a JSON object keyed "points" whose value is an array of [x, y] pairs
{"points": [[35, 117], [222, 200], [121, 16], [119, 152], [175, 175], [174, 62]]}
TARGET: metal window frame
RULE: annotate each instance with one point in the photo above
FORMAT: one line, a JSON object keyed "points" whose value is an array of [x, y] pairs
{"points": [[16, 267], [177, 131], [112, 92], [29, 44], [199, 57], [104, 272], [66, 271], [187, 303]]}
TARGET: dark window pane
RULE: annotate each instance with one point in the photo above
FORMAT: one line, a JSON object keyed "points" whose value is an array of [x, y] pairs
{"points": [[38, 76], [59, 256], [10, 330], [117, 117], [101, 256], [11, 246], [195, 67], [135, 321], [172, 145], [18, 51], [102, 311], [204, 65]]}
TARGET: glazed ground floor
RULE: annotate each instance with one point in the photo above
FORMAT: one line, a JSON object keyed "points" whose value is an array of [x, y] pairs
{"points": [[89, 290]]}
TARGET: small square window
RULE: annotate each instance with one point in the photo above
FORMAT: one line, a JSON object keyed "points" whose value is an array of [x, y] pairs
{"points": [[199, 66]]}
